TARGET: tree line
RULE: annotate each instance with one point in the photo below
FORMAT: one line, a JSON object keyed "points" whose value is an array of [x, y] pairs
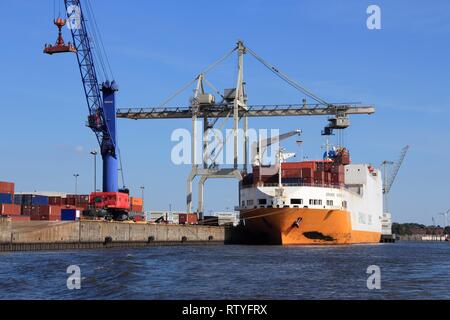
{"points": [[408, 229]]}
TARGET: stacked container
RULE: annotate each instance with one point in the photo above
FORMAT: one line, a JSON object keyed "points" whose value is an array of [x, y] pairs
{"points": [[187, 218], [55, 201], [30, 200], [6, 187], [6, 192], [321, 173], [46, 213], [137, 205], [8, 207], [6, 198], [78, 201]]}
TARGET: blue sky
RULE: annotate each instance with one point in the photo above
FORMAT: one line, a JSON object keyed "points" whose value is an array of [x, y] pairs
{"points": [[157, 46]]}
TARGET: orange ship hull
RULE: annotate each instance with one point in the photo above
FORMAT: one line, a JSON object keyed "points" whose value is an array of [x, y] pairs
{"points": [[291, 226]]}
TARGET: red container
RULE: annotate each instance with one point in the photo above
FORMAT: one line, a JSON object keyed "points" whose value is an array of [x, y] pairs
{"points": [[337, 179], [46, 213], [26, 210], [68, 207], [135, 208], [306, 173], [82, 199], [136, 201], [10, 209], [79, 198], [138, 218], [344, 157], [70, 201], [300, 165], [319, 176], [291, 173], [184, 218], [21, 218], [7, 187], [55, 201]]}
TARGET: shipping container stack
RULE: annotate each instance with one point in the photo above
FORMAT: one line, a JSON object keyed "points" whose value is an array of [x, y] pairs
{"points": [[8, 208], [187, 218], [79, 202], [44, 208], [319, 173], [136, 205], [137, 209]]}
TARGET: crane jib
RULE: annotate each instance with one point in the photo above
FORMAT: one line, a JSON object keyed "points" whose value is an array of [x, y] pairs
{"points": [[100, 99]]}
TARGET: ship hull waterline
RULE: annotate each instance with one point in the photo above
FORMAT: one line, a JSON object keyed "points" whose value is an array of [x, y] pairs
{"points": [[304, 226]]}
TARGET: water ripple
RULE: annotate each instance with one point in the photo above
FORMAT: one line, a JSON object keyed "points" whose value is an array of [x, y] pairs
{"points": [[409, 271]]}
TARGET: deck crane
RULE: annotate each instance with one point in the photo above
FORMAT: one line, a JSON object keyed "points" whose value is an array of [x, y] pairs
{"points": [[101, 101]]}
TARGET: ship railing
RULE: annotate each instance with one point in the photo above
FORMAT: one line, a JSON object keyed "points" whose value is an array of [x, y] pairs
{"points": [[319, 185]]}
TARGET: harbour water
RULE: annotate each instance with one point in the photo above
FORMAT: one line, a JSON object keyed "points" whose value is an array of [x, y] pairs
{"points": [[409, 270]]}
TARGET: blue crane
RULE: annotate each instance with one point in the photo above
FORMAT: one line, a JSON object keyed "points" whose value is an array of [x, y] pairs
{"points": [[100, 98]]}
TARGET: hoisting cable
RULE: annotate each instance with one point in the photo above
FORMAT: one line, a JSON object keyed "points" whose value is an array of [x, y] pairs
{"points": [[96, 42], [121, 168], [204, 72], [94, 35], [93, 42], [215, 64], [99, 35], [287, 79], [209, 84], [179, 91]]}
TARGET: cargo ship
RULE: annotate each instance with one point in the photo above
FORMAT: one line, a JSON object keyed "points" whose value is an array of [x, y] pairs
{"points": [[329, 201]]}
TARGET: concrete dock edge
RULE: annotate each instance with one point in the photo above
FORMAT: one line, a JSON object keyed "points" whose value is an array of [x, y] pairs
{"points": [[42, 236]]}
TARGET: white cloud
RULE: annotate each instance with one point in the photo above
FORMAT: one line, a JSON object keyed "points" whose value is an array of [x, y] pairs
{"points": [[79, 150]]}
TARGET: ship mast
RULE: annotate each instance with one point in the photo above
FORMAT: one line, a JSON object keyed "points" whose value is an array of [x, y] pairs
{"points": [[280, 161]]}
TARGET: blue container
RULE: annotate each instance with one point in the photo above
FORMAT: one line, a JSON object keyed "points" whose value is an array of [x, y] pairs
{"points": [[23, 199], [6, 198], [18, 199], [31, 200], [39, 200], [68, 215]]}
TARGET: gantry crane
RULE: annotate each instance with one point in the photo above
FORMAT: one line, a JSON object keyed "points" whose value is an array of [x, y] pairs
{"points": [[101, 101], [234, 104]]}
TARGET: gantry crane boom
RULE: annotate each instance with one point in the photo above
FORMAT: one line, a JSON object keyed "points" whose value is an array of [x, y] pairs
{"points": [[222, 111]]}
